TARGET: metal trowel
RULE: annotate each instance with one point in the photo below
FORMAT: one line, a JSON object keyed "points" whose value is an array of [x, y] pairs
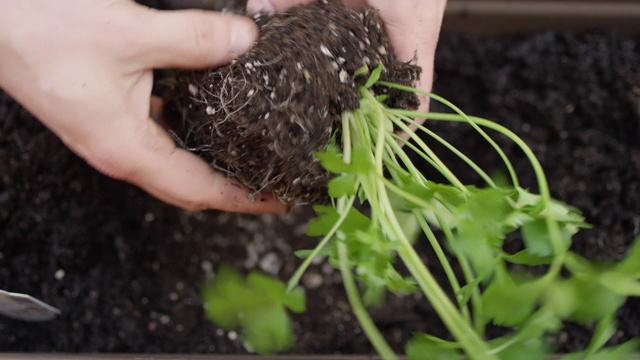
{"points": [[25, 307]]}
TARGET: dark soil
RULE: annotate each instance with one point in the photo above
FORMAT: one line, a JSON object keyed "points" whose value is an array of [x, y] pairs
{"points": [[126, 269], [252, 118]]}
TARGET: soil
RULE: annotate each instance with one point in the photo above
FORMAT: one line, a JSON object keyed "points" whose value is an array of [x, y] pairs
{"points": [[125, 269], [252, 118]]}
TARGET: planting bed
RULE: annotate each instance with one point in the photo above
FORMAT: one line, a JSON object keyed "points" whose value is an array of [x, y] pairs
{"points": [[125, 269]]}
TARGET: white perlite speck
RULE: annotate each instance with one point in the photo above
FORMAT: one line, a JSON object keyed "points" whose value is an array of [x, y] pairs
{"points": [[270, 263], [344, 76], [59, 274], [193, 90], [325, 50]]}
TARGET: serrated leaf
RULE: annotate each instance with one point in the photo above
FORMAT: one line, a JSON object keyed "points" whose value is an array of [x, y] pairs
{"points": [[276, 290], [509, 304], [596, 301], [218, 297], [398, 284], [269, 330], [333, 162], [537, 238], [255, 305], [343, 185], [327, 216], [560, 298], [362, 160]]}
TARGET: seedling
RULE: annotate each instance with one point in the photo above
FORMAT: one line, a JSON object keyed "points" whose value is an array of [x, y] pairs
{"points": [[269, 119], [475, 222]]}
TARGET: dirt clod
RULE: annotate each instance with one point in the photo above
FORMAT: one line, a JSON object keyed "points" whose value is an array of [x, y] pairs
{"points": [[262, 118]]}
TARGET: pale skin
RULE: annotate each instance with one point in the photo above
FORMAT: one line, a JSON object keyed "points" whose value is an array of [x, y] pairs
{"points": [[84, 68]]}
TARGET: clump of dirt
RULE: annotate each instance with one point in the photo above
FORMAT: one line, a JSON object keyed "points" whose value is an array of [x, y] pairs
{"points": [[261, 118]]}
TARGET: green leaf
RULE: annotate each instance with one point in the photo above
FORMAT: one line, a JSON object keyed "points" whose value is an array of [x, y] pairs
{"points": [[624, 351], [327, 216], [219, 298], [362, 160], [382, 98], [509, 304], [398, 284], [560, 298], [605, 329], [534, 349], [361, 71], [343, 185], [256, 305], [333, 162], [480, 230], [375, 76], [427, 347], [525, 257], [268, 330], [430, 191], [631, 264], [596, 301], [275, 289], [537, 238]]}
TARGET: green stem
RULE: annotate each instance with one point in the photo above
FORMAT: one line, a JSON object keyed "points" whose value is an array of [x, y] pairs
{"points": [[482, 133], [367, 324], [443, 168], [295, 278], [446, 144], [469, 340], [469, 276], [446, 265], [543, 186]]}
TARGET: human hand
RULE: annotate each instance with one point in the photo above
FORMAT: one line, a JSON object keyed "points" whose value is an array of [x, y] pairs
{"points": [[413, 27], [84, 68]]}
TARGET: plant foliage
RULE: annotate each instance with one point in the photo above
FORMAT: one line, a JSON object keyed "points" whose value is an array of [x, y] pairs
{"points": [[532, 291]]}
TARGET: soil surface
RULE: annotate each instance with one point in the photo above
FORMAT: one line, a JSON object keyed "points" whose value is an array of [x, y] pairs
{"points": [[252, 119], [125, 269]]}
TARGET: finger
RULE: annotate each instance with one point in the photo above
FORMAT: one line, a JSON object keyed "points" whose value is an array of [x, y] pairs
{"points": [[193, 38], [414, 36], [273, 6], [148, 158]]}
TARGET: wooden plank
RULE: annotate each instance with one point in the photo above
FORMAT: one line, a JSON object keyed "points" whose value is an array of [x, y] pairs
{"points": [[17, 356], [491, 17]]}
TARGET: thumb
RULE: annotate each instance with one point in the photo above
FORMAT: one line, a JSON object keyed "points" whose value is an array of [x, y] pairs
{"points": [[194, 38]]}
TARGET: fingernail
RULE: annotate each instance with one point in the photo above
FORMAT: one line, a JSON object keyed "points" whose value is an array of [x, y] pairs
{"points": [[260, 6], [243, 35]]}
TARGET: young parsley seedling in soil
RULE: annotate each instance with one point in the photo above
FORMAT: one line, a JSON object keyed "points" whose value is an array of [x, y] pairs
{"points": [[326, 124]]}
